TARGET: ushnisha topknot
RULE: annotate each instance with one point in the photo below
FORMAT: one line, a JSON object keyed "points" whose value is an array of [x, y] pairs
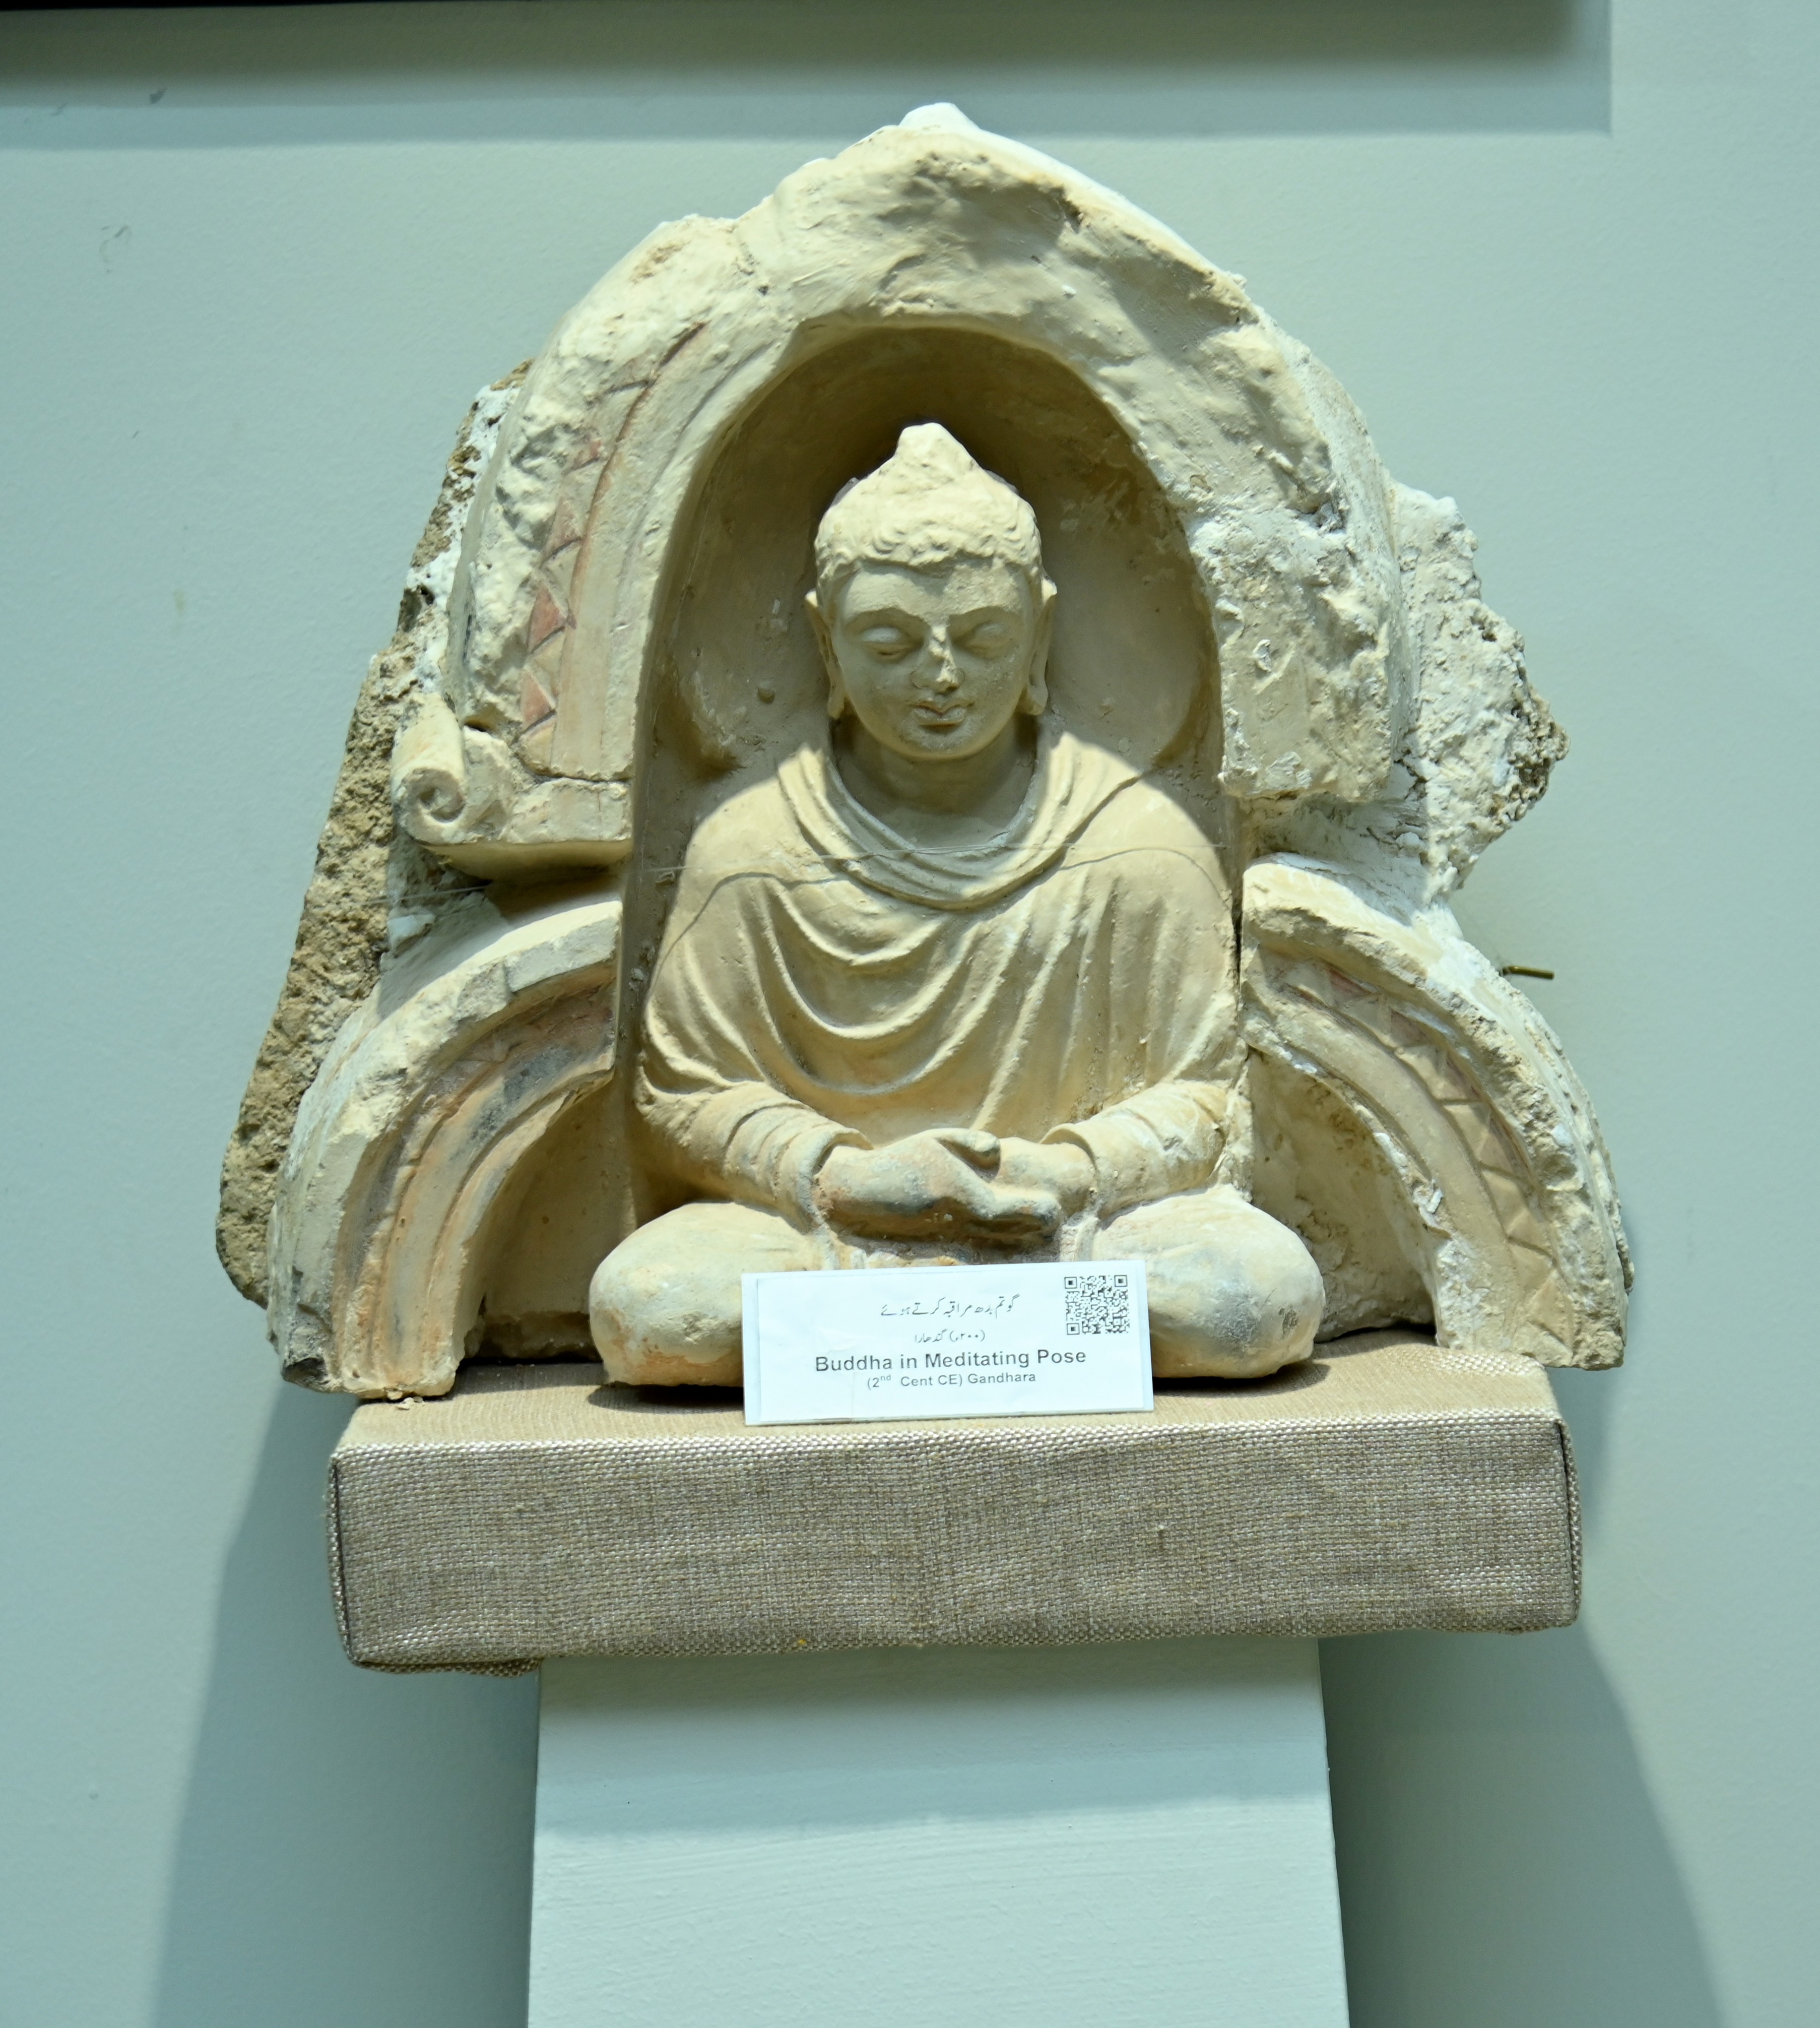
{"points": [[928, 503]]}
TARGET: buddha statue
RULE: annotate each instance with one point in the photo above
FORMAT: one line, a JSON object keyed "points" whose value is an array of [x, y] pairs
{"points": [[955, 985]]}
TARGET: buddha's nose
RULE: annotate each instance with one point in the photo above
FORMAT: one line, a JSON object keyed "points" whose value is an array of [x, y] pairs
{"points": [[944, 675]]}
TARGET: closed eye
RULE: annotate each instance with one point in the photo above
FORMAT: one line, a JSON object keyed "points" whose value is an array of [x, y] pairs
{"points": [[889, 644]]}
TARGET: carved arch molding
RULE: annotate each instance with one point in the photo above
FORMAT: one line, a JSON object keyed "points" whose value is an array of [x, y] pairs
{"points": [[602, 632]]}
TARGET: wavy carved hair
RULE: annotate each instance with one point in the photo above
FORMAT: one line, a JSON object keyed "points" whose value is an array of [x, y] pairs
{"points": [[930, 502]]}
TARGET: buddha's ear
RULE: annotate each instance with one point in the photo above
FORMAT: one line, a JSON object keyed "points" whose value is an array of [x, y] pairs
{"points": [[837, 689], [1035, 697]]}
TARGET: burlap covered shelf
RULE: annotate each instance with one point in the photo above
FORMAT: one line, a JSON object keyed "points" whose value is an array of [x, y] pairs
{"points": [[536, 1512]]}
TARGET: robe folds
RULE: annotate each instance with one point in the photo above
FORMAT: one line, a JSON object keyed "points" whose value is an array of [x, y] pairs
{"points": [[823, 981]]}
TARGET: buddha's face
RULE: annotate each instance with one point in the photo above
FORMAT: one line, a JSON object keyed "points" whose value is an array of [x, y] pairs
{"points": [[935, 662]]}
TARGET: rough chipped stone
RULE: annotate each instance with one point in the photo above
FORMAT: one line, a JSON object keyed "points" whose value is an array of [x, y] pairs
{"points": [[364, 873], [605, 639]]}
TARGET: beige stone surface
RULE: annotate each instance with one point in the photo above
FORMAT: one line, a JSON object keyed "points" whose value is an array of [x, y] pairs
{"points": [[952, 984], [537, 1511], [612, 654], [366, 880]]}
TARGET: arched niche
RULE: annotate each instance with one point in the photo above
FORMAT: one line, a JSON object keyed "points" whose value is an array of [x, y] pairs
{"points": [[737, 679], [736, 682], [1016, 289], [1132, 662]]}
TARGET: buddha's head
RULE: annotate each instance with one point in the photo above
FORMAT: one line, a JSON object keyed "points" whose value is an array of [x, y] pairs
{"points": [[930, 604]]}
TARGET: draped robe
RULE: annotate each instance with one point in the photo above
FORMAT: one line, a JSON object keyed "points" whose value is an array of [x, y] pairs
{"points": [[823, 981]]}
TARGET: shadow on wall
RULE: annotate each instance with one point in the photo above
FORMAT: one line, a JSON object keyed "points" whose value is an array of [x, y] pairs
{"points": [[732, 69], [1501, 1861], [335, 1818]]}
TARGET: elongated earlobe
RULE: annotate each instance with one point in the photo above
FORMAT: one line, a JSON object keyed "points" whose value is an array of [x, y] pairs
{"points": [[1035, 697], [837, 689]]}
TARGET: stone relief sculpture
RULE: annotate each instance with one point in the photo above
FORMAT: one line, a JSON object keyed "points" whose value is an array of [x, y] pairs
{"points": [[919, 729], [959, 982]]}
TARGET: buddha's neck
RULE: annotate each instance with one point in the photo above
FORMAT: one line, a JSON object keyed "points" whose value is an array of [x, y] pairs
{"points": [[954, 803]]}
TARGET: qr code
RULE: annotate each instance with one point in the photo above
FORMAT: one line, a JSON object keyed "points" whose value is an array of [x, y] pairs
{"points": [[1096, 1305]]}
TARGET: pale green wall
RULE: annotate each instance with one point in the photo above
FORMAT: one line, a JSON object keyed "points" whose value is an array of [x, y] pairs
{"points": [[241, 321]]}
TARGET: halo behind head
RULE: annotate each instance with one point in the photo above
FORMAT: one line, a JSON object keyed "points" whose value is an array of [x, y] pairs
{"points": [[927, 504]]}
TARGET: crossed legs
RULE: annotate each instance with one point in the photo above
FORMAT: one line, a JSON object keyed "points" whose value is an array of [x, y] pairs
{"points": [[1233, 1293]]}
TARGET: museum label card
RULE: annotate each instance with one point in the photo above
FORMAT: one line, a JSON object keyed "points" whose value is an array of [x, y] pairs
{"points": [[887, 1344]]}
